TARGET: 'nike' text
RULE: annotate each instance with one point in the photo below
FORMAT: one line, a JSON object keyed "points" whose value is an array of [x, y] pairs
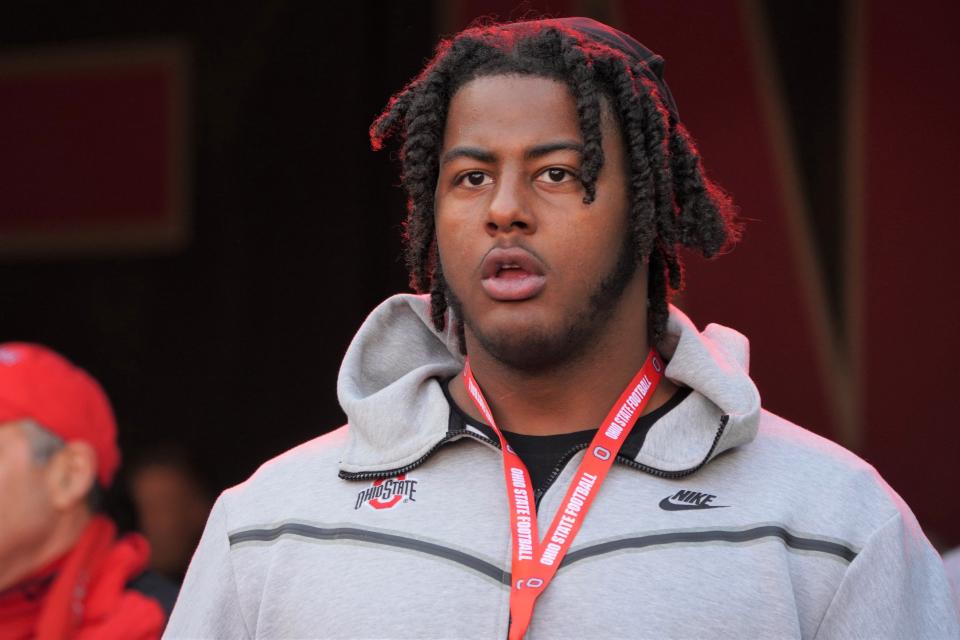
{"points": [[686, 500]]}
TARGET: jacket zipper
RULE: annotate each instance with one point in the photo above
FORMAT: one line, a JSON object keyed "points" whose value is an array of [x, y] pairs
{"points": [[683, 472], [632, 463], [451, 435], [561, 463], [389, 473]]}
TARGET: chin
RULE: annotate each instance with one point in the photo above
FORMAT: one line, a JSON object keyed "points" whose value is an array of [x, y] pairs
{"points": [[531, 346]]}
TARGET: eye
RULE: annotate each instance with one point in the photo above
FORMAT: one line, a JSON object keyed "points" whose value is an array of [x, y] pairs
{"points": [[556, 175], [474, 178]]}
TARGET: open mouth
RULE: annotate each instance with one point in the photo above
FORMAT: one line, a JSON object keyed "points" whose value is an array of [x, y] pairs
{"points": [[511, 271], [511, 275]]}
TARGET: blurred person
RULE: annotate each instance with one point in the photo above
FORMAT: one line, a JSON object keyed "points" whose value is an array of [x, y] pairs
{"points": [[543, 379], [172, 504], [64, 573]]}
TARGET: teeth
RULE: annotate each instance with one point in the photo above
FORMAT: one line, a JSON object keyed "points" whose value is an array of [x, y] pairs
{"points": [[510, 266]]}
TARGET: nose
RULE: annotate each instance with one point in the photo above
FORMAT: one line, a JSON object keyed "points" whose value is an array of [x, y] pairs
{"points": [[509, 208]]}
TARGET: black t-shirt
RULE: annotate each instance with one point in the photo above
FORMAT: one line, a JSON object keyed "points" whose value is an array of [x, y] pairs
{"points": [[545, 456]]}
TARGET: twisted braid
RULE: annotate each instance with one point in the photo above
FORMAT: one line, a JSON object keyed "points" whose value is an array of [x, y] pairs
{"points": [[581, 80], [642, 187], [419, 154], [706, 212], [438, 299]]}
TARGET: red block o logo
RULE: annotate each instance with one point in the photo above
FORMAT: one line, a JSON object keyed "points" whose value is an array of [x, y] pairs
{"points": [[377, 503]]}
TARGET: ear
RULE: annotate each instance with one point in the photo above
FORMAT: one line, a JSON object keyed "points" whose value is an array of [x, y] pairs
{"points": [[71, 473]]}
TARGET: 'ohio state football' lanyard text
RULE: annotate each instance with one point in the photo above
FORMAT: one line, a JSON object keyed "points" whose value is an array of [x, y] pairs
{"points": [[534, 564]]}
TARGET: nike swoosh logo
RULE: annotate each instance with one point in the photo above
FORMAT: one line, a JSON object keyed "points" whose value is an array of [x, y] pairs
{"points": [[672, 506]]}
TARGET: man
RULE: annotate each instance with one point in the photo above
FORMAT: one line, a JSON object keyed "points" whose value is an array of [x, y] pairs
{"points": [[559, 481], [63, 572]]}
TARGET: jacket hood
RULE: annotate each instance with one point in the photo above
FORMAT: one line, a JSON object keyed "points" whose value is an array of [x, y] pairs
{"points": [[397, 414], [724, 409]]}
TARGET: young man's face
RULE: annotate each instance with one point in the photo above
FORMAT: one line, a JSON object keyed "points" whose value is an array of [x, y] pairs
{"points": [[534, 271]]}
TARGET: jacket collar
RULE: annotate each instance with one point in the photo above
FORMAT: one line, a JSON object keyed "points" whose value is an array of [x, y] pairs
{"points": [[397, 413]]}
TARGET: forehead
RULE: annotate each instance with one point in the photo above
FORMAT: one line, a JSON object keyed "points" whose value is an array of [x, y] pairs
{"points": [[511, 110]]}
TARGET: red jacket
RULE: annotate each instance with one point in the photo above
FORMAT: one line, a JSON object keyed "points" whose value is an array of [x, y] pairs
{"points": [[84, 595]]}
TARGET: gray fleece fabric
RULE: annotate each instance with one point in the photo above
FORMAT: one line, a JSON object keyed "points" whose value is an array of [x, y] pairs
{"points": [[730, 522]]}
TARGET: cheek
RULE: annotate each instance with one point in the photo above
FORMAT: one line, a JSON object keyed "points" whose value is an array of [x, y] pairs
{"points": [[592, 246], [24, 503], [455, 248]]}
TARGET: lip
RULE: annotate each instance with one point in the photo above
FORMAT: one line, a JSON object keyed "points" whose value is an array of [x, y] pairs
{"points": [[511, 275]]}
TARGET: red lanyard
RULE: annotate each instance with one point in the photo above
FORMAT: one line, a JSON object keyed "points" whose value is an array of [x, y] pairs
{"points": [[534, 564]]}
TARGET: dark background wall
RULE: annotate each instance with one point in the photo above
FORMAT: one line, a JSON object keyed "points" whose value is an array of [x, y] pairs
{"points": [[229, 342]]}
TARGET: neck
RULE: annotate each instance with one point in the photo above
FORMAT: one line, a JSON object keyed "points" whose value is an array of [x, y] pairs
{"points": [[572, 397], [57, 542]]}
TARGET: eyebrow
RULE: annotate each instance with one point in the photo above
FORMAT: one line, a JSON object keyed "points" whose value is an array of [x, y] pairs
{"points": [[545, 149], [538, 151], [475, 153]]}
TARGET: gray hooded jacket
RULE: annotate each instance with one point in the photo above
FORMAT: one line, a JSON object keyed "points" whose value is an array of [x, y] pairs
{"points": [[729, 522]]}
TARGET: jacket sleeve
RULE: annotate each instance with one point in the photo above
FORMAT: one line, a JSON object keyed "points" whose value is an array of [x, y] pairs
{"points": [[895, 588], [208, 605]]}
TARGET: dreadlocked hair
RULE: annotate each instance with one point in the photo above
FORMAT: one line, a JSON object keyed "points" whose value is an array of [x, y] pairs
{"points": [[672, 202]]}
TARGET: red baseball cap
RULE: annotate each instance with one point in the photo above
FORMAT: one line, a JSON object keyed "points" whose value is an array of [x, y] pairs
{"points": [[38, 383]]}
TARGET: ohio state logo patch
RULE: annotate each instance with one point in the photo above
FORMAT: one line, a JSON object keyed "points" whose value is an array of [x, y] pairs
{"points": [[386, 493]]}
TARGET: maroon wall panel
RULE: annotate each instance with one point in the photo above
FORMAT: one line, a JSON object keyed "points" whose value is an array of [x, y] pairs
{"points": [[91, 147], [84, 146], [757, 289], [910, 228]]}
